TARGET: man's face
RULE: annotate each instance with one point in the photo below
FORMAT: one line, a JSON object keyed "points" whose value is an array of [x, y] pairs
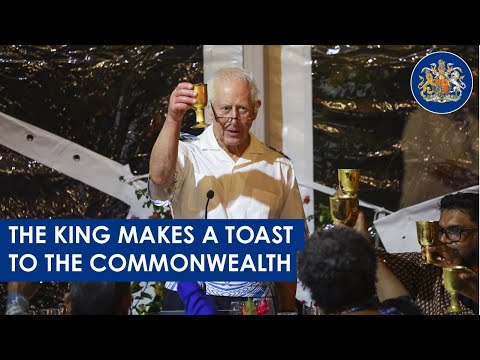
{"points": [[233, 100], [467, 246]]}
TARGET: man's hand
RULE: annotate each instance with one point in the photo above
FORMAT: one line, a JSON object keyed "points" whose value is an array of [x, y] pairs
{"points": [[181, 99], [469, 284], [361, 225]]}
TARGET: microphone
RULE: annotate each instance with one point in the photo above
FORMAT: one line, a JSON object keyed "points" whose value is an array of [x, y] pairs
{"points": [[210, 195]]}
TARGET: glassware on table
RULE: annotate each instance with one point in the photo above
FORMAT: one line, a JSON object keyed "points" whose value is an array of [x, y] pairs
{"points": [[428, 235], [49, 311], [63, 309], [453, 284], [287, 313], [236, 307], [199, 106], [309, 309]]}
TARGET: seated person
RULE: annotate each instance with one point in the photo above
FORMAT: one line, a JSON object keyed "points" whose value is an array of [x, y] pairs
{"points": [[84, 298], [339, 267], [98, 298], [104, 298], [459, 238]]}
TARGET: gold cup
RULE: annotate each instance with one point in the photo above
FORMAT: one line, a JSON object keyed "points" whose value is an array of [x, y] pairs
{"points": [[342, 209], [199, 106], [453, 284], [428, 235], [348, 179]]}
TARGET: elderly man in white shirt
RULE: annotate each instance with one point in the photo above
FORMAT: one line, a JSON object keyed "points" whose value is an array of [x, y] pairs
{"points": [[246, 178]]}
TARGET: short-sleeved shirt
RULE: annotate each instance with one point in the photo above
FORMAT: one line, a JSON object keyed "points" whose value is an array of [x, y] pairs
{"points": [[261, 184]]}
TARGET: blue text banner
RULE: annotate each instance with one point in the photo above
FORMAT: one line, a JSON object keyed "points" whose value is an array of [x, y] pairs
{"points": [[149, 250]]}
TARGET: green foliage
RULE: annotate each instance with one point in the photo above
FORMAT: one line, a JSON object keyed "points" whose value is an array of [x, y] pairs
{"points": [[250, 307], [159, 212], [321, 215], [151, 307], [143, 302]]}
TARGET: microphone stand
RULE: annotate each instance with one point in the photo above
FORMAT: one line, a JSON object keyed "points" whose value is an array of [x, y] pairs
{"points": [[210, 195]]}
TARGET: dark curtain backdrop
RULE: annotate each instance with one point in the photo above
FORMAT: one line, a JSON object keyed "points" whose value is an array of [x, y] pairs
{"points": [[109, 99], [365, 116]]}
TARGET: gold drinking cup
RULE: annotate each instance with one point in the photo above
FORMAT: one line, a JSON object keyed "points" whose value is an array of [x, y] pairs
{"points": [[453, 284], [428, 235], [342, 209], [348, 179], [199, 106]]}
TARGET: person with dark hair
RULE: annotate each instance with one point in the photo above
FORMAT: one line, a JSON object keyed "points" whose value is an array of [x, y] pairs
{"points": [[84, 298], [459, 231], [459, 246], [104, 298], [242, 177], [339, 267], [99, 298]]}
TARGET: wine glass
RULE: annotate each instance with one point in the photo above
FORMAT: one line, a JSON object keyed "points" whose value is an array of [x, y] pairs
{"points": [[199, 106], [236, 307], [453, 284], [309, 309], [49, 311]]}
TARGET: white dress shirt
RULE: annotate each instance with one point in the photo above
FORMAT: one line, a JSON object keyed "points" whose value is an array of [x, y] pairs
{"points": [[261, 184]]}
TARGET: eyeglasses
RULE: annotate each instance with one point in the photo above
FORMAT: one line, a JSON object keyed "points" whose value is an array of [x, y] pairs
{"points": [[454, 234], [243, 116]]}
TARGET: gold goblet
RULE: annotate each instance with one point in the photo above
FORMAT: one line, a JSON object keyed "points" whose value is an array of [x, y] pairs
{"points": [[342, 209], [199, 106], [453, 284], [348, 179], [428, 235]]}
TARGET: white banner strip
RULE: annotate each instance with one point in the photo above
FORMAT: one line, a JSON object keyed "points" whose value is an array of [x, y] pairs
{"points": [[72, 160]]}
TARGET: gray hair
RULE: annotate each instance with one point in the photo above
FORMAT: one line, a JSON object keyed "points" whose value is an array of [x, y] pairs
{"points": [[232, 73]]}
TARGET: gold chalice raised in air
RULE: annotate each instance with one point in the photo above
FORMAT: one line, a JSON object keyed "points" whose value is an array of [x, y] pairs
{"points": [[341, 209], [199, 106], [344, 207], [428, 235], [348, 179], [453, 284]]}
